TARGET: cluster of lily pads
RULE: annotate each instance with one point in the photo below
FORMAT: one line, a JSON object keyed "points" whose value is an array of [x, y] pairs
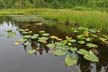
{"points": [[83, 42]]}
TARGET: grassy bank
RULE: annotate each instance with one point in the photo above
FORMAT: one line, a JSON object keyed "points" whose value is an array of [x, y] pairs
{"points": [[95, 19]]}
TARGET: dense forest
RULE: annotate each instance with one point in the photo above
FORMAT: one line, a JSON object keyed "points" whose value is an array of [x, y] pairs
{"points": [[53, 3]]}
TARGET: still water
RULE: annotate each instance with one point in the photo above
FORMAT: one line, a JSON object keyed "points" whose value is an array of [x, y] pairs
{"points": [[16, 59]]}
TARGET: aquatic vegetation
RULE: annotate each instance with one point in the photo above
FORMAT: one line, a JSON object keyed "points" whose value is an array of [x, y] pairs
{"points": [[72, 47], [71, 60], [43, 39], [88, 55], [32, 51], [90, 45], [10, 33], [27, 43], [26, 18], [87, 18], [34, 36], [22, 40]]}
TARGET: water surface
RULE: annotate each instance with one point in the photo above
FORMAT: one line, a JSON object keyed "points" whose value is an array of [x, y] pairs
{"points": [[16, 59]]}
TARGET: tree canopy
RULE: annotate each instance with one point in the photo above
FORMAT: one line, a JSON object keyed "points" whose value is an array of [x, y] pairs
{"points": [[53, 3]]}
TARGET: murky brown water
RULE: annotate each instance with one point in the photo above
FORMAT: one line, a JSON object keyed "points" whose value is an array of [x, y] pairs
{"points": [[16, 59]]}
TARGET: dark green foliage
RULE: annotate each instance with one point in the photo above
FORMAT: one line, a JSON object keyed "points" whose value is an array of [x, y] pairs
{"points": [[53, 3]]}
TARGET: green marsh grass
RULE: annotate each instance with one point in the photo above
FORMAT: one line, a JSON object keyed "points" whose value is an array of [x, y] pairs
{"points": [[91, 18]]}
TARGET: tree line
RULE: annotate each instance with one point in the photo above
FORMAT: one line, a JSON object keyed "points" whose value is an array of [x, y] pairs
{"points": [[53, 3]]}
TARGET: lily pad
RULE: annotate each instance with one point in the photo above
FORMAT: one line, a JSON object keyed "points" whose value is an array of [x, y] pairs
{"points": [[105, 36], [32, 51], [51, 45], [81, 42], [59, 52], [27, 43], [89, 39], [59, 39], [21, 30], [72, 40], [90, 45], [30, 32], [92, 30], [22, 40], [42, 32], [103, 39], [11, 34], [45, 34], [43, 39], [73, 49], [35, 36], [94, 35], [71, 60], [26, 36], [86, 33], [82, 51], [91, 57], [26, 29], [53, 37], [80, 37]]}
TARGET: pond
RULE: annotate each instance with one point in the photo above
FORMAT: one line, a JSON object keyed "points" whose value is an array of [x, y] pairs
{"points": [[16, 57]]}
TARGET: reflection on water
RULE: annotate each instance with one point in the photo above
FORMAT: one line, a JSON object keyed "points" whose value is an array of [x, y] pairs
{"points": [[14, 59]]}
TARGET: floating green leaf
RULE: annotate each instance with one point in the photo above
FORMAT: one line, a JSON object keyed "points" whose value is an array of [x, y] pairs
{"points": [[81, 42], [82, 51], [103, 39], [92, 30], [11, 34], [71, 60], [35, 36], [89, 39], [45, 34], [24, 32], [26, 29], [51, 45], [60, 45], [90, 45], [31, 51], [69, 39], [94, 35], [27, 43], [22, 40], [43, 39], [21, 30], [42, 32], [72, 40], [53, 37], [59, 52], [80, 37], [73, 49], [91, 57], [105, 36], [26, 36]]}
